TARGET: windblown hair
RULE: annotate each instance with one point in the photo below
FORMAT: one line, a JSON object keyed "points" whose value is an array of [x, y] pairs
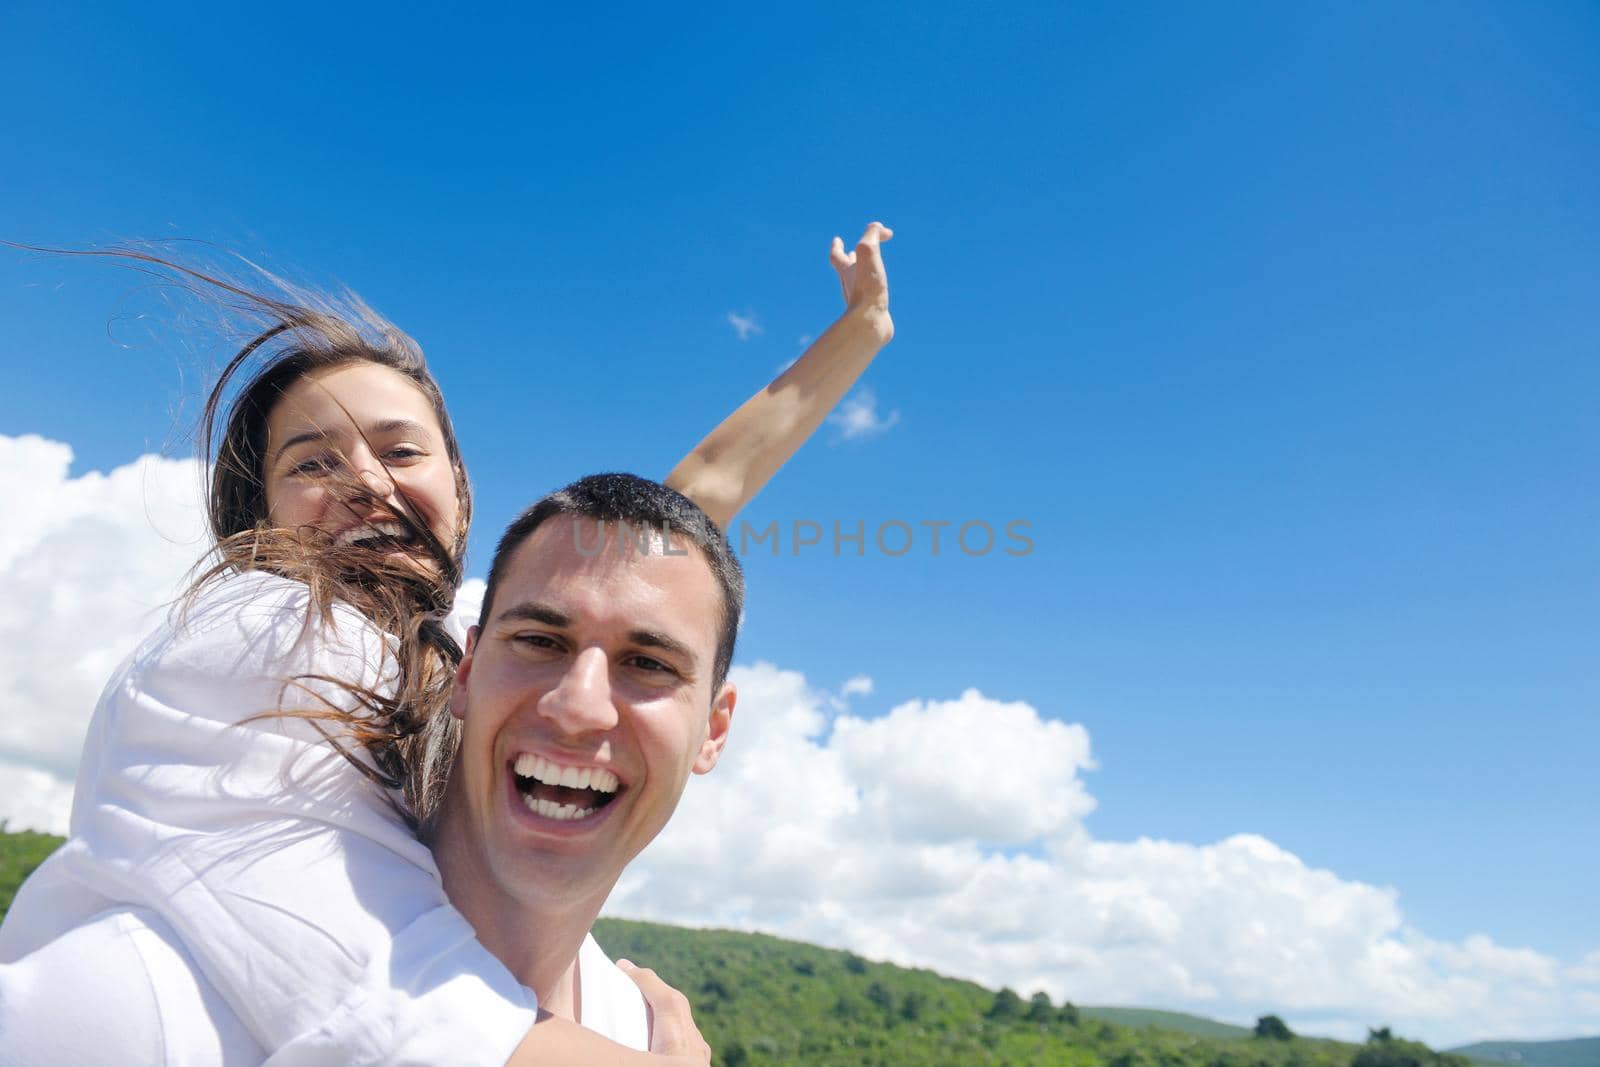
{"points": [[294, 332]]}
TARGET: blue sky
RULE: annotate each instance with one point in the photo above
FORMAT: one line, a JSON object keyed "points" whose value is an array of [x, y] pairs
{"points": [[1276, 322]]}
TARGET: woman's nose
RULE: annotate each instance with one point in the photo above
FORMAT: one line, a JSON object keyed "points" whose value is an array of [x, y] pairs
{"points": [[375, 479]]}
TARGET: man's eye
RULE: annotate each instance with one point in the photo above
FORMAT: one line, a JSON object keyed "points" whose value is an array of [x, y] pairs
{"points": [[540, 641], [649, 664]]}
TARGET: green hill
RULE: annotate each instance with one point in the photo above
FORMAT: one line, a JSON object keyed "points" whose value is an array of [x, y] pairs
{"points": [[1150, 1018], [764, 1001], [20, 853], [1577, 1052]]}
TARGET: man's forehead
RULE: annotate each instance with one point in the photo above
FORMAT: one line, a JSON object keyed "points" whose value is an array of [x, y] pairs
{"points": [[575, 556]]}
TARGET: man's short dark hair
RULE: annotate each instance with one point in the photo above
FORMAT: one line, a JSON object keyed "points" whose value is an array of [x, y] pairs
{"points": [[643, 505]]}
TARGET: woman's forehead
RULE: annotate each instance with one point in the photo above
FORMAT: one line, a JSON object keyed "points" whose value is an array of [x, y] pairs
{"points": [[339, 400]]}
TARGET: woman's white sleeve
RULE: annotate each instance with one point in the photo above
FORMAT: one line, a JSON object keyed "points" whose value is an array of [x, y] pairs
{"points": [[301, 893]]}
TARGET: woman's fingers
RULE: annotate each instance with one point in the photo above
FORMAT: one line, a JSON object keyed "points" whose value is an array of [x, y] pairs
{"points": [[871, 280], [876, 232], [875, 235], [672, 1028], [838, 256], [843, 264], [861, 273]]}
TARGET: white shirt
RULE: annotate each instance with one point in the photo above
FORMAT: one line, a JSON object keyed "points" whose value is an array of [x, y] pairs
{"points": [[251, 854], [122, 989]]}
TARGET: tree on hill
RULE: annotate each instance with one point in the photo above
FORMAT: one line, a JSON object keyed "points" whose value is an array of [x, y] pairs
{"points": [[1383, 1049], [1068, 1013], [1040, 1010], [1272, 1028], [880, 995], [1007, 1005]]}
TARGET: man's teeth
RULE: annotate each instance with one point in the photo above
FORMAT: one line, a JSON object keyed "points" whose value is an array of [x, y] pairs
{"points": [[551, 773], [551, 810], [367, 533]]}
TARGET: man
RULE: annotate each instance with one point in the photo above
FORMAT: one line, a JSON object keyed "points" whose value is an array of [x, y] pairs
{"points": [[594, 685]]}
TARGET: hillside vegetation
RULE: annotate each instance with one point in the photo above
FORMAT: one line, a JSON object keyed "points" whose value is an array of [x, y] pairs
{"points": [[20, 853], [1164, 1020], [763, 1001], [1577, 1052], [760, 1000]]}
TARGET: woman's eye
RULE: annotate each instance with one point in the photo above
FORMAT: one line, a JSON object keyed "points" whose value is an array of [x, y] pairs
{"points": [[404, 452], [315, 465]]}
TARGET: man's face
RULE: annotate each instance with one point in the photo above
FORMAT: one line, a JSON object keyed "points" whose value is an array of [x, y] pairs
{"points": [[586, 702]]}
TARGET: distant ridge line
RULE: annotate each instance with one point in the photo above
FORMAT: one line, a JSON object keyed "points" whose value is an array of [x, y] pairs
{"points": [[1563, 1052]]}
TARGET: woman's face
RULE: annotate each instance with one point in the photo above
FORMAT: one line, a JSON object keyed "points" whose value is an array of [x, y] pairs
{"points": [[359, 424]]}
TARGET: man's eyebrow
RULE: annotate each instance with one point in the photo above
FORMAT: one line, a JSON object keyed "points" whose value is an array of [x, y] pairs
{"points": [[531, 612], [656, 639], [410, 427]]}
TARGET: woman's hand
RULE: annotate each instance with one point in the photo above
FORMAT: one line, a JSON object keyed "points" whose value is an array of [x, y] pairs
{"points": [[863, 278], [736, 459], [672, 1029]]}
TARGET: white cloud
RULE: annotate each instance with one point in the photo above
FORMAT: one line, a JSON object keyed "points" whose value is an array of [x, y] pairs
{"points": [[86, 565], [944, 833], [34, 799], [745, 326], [468, 606], [948, 834], [857, 416], [860, 685], [1586, 970], [966, 770]]}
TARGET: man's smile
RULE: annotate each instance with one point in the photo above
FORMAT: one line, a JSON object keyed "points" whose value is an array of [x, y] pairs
{"points": [[563, 792]]}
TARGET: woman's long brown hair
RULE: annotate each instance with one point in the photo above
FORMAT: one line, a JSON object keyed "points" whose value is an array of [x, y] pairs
{"points": [[292, 332]]}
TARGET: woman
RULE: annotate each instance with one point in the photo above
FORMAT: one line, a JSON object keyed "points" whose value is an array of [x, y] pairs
{"points": [[239, 798]]}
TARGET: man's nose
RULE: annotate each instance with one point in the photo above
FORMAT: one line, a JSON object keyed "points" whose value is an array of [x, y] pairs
{"points": [[581, 701]]}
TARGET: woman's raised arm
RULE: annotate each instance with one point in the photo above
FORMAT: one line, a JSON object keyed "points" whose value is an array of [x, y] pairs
{"points": [[735, 460]]}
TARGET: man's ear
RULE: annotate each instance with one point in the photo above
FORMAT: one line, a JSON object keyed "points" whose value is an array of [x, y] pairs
{"points": [[458, 691], [717, 736]]}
